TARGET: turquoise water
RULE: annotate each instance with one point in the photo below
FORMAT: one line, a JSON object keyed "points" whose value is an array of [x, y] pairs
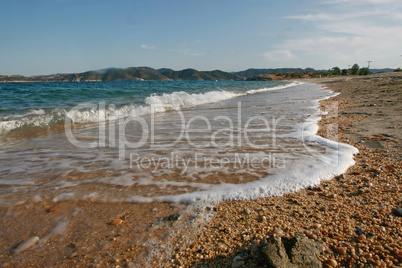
{"points": [[24, 105]]}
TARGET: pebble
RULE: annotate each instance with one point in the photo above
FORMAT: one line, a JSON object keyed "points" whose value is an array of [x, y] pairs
{"points": [[331, 262], [398, 212], [278, 231], [361, 237], [53, 209], [72, 255], [237, 262], [27, 244], [359, 231], [173, 217], [317, 226], [370, 235], [340, 250], [117, 222]]}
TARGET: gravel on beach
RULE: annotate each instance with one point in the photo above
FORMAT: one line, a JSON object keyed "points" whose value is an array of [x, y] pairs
{"points": [[355, 215]]}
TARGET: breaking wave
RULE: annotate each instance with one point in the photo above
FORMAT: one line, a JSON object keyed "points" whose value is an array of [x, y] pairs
{"points": [[90, 112]]}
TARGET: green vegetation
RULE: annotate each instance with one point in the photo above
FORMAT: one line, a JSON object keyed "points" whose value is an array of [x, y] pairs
{"points": [[256, 72], [398, 70], [336, 71], [364, 71], [355, 69]]}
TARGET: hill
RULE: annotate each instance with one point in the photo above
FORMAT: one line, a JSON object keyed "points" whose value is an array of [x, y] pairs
{"points": [[127, 74], [192, 74], [149, 74], [132, 73], [255, 72]]}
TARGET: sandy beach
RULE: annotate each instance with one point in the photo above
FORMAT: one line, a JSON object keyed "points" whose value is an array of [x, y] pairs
{"points": [[353, 215]]}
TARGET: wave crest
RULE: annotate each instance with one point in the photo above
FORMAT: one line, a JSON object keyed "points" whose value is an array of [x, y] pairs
{"points": [[93, 113]]}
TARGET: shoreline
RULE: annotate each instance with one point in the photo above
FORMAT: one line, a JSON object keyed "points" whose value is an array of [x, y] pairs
{"points": [[363, 198], [352, 214]]}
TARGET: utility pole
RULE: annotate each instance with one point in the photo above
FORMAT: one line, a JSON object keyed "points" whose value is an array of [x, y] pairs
{"points": [[369, 64]]}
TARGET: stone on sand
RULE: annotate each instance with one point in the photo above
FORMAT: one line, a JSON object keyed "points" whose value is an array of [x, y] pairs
{"points": [[298, 251]]}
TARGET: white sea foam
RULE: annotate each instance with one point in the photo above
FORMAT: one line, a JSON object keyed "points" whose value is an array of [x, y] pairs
{"points": [[305, 173], [29, 112], [309, 158], [253, 91], [91, 112]]}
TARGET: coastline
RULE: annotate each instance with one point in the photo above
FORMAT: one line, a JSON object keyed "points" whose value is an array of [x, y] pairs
{"points": [[363, 198], [351, 214]]}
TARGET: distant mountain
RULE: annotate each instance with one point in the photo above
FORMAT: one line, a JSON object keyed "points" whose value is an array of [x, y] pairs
{"points": [[187, 74], [255, 72], [132, 73], [164, 70], [220, 75], [386, 70], [147, 73], [192, 74]]}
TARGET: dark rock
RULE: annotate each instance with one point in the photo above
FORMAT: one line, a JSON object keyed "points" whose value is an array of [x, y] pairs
{"points": [[340, 177], [298, 251], [274, 253], [397, 212], [370, 235], [173, 217], [238, 262], [359, 231], [303, 252]]}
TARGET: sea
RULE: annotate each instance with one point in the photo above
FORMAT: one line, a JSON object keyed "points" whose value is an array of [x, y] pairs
{"points": [[164, 141]]}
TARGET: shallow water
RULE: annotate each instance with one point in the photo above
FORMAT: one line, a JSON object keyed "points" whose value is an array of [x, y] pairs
{"points": [[238, 142]]}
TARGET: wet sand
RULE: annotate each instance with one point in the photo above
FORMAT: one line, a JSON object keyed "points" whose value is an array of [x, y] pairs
{"points": [[353, 211]]}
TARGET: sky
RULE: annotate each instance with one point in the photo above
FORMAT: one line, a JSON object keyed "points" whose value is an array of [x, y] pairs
{"points": [[65, 36]]}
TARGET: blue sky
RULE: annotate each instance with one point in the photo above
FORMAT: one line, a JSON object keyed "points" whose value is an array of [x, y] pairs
{"points": [[63, 36]]}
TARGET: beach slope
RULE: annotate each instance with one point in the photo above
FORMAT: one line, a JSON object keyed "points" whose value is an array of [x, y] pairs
{"points": [[355, 215]]}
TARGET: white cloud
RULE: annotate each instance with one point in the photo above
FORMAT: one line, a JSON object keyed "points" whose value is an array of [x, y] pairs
{"points": [[334, 48], [279, 55], [144, 46], [348, 31], [313, 17], [344, 15]]}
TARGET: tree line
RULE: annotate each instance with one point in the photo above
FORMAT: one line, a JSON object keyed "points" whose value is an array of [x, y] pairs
{"points": [[355, 70]]}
